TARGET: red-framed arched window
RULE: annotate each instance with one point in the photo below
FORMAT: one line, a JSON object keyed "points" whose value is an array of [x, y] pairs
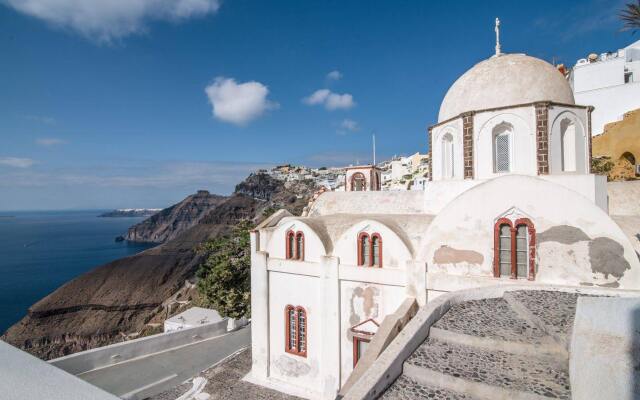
{"points": [[376, 250], [290, 239], [300, 246], [369, 250], [358, 182], [364, 245], [296, 330], [294, 243], [514, 249]]}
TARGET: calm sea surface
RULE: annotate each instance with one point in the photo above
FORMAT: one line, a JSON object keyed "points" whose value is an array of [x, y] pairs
{"points": [[39, 251]]}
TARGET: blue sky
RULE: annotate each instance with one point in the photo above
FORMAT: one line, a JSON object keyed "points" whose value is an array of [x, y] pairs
{"points": [[138, 103]]}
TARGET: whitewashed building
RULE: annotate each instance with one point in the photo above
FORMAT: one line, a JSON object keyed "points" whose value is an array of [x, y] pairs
{"points": [[510, 200], [610, 82]]}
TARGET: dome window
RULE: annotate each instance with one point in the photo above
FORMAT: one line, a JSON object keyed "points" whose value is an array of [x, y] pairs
{"points": [[447, 156], [502, 147]]}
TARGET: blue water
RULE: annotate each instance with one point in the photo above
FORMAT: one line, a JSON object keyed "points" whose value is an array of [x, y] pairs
{"points": [[39, 251]]}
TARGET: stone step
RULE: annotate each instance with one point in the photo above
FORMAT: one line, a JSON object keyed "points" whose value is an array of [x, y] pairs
{"points": [[551, 312], [491, 319], [450, 384], [450, 365], [405, 388], [548, 348]]}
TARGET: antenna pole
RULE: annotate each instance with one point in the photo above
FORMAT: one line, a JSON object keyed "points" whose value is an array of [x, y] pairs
{"points": [[374, 149]]}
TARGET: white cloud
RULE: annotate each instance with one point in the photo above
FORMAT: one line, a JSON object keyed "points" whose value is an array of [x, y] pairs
{"points": [[348, 125], [43, 119], [47, 142], [105, 20], [334, 75], [238, 103], [16, 162], [331, 101]]}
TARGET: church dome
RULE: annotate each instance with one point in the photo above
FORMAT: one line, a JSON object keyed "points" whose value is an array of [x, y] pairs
{"points": [[505, 80]]}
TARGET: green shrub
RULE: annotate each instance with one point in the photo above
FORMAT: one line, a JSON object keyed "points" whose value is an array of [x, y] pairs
{"points": [[225, 276]]}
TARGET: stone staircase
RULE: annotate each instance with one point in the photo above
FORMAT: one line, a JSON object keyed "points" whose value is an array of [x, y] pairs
{"points": [[513, 347]]}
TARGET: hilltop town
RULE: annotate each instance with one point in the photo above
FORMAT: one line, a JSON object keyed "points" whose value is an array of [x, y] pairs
{"points": [[398, 173]]}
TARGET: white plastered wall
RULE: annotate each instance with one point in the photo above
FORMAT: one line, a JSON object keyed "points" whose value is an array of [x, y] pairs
{"points": [[395, 252], [578, 117], [454, 128], [466, 227], [296, 290], [361, 301], [522, 145], [277, 245]]}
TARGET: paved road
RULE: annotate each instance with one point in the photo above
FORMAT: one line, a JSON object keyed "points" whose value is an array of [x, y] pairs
{"points": [[152, 374]]}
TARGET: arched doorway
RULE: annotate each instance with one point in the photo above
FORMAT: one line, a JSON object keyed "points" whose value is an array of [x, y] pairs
{"points": [[358, 182]]}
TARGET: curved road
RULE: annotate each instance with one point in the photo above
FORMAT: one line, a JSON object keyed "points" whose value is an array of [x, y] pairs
{"points": [[145, 376]]}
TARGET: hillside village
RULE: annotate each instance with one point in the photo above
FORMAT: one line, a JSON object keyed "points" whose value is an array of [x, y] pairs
{"points": [[398, 173]]}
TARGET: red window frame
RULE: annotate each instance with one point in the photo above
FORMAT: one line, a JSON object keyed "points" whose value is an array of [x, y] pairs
{"points": [[369, 262], [299, 254], [293, 251], [293, 347], [290, 240], [532, 246]]}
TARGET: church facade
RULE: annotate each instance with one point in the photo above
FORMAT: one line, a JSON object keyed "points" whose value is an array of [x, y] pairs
{"points": [[510, 200]]}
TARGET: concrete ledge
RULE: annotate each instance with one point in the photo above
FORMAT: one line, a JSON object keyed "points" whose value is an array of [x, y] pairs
{"points": [[100, 357], [605, 349], [389, 365], [22, 376]]}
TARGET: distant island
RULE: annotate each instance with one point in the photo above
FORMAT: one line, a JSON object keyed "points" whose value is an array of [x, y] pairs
{"points": [[131, 212]]}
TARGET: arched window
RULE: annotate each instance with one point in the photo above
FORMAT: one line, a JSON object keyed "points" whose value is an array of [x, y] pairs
{"points": [[290, 245], [568, 145], [502, 147], [369, 250], [505, 249], [363, 249], [376, 250], [514, 249], [358, 182], [447, 156], [300, 246], [296, 330], [522, 251]]}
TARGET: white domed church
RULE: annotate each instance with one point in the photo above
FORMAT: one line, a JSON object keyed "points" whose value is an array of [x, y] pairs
{"points": [[511, 201]]}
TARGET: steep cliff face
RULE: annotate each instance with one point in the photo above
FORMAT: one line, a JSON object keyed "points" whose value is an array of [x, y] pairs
{"points": [[118, 299], [170, 222]]}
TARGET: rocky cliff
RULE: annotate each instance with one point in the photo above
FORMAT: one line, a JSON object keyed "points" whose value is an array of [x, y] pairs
{"points": [[170, 222], [118, 300]]}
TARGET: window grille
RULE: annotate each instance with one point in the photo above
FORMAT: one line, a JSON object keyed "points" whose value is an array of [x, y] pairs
{"points": [[292, 329], [302, 331], [502, 152]]}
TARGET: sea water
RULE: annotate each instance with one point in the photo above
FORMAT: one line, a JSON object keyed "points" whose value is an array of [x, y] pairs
{"points": [[40, 251]]}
